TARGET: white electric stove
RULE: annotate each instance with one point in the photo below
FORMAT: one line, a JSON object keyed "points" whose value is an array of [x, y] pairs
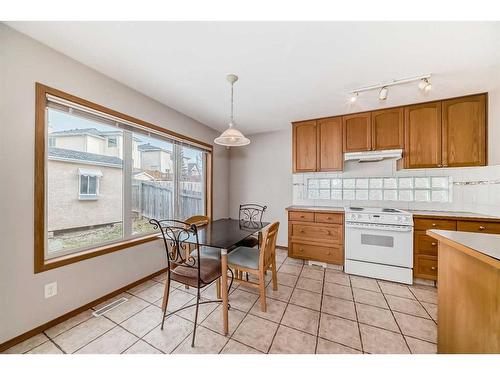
{"points": [[379, 243]]}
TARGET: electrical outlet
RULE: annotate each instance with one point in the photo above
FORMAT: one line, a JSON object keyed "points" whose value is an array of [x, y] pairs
{"points": [[50, 290]]}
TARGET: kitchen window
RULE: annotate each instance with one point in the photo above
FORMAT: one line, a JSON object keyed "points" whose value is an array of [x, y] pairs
{"points": [[141, 172]]}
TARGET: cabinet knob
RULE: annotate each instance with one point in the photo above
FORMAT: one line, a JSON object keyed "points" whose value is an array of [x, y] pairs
{"points": [[433, 268], [301, 249], [481, 227], [329, 253], [301, 231], [328, 218], [433, 224], [433, 243], [440, 165], [302, 216]]}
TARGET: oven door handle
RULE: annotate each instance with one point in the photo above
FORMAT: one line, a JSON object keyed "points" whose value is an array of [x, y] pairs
{"points": [[388, 228]]}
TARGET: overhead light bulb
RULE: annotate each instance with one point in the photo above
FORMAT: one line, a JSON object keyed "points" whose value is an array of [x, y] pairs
{"points": [[382, 95], [353, 97], [425, 85]]}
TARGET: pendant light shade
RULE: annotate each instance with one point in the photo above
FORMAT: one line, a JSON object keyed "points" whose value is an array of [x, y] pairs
{"points": [[231, 136]]}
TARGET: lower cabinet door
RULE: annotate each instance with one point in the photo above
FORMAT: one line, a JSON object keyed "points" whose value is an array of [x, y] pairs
{"points": [[330, 254], [426, 267]]}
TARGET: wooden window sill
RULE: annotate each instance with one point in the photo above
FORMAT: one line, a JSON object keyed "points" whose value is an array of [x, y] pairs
{"points": [[92, 253]]}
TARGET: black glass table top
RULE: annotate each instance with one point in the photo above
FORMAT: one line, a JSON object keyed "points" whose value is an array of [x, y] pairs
{"points": [[225, 233]]}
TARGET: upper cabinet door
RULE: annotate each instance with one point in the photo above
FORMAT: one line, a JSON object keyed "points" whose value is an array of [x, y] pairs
{"points": [[464, 131], [388, 129], [423, 135], [357, 132], [330, 156], [304, 146]]}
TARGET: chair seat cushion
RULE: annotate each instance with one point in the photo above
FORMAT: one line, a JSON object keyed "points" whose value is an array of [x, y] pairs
{"points": [[246, 257], [250, 241], [210, 270], [207, 252]]}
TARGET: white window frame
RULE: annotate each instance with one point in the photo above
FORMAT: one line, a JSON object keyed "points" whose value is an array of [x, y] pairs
{"points": [[88, 196]]}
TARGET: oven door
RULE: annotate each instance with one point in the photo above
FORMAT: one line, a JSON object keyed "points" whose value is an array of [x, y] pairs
{"points": [[378, 243]]}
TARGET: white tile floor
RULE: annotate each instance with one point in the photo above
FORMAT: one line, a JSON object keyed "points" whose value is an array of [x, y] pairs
{"points": [[314, 311]]}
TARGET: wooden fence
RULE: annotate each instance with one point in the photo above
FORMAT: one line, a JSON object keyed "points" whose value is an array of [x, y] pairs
{"points": [[153, 201]]}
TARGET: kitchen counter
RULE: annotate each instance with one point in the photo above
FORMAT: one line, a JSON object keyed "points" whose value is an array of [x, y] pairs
{"points": [[469, 242], [468, 292], [416, 213]]}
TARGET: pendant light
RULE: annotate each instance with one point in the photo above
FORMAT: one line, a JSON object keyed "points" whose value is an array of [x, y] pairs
{"points": [[231, 136]]}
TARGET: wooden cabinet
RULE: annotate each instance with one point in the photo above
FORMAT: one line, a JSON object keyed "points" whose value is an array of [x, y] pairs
{"points": [[304, 146], [330, 156], [387, 129], [317, 145], [316, 236], [425, 248], [448, 133], [443, 133], [423, 135], [464, 131], [357, 132]]}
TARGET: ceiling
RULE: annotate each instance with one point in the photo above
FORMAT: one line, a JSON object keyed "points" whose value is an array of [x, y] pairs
{"points": [[288, 70]]}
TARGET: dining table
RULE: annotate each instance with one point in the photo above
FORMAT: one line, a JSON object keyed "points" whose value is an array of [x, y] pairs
{"points": [[224, 234]]}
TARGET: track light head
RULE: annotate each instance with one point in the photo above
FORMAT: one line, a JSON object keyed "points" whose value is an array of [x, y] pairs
{"points": [[382, 95], [425, 85]]}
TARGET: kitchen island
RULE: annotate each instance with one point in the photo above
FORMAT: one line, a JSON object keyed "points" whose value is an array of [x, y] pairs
{"points": [[468, 292]]}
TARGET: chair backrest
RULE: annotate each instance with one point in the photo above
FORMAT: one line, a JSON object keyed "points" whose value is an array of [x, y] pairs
{"points": [[251, 212], [198, 220], [268, 247], [179, 238]]}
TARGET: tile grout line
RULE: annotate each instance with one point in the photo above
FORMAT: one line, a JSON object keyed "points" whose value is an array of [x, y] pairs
{"points": [[356, 312], [320, 308], [286, 307], [394, 317]]}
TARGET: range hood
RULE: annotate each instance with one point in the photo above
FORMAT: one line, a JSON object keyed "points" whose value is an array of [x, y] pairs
{"points": [[373, 156]]}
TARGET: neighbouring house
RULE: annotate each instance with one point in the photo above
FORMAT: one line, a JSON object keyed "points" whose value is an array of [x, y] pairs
{"points": [[83, 187], [95, 141], [154, 158]]}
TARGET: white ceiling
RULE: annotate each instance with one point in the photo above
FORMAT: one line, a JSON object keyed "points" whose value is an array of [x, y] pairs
{"points": [[288, 71]]}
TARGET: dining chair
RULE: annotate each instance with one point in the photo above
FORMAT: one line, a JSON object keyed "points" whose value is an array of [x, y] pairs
{"points": [[188, 268], [248, 214], [255, 261], [205, 251]]}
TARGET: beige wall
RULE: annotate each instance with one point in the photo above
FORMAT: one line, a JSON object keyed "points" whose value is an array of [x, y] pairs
{"points": [[23, 62], [262, 173], [63, 193]]}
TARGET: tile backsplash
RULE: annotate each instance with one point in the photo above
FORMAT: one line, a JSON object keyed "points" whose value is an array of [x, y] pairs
{"points": [[472, 189], [405, 189]]}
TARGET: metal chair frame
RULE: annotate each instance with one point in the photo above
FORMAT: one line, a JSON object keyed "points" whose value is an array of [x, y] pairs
{"points": [[175, 234]]}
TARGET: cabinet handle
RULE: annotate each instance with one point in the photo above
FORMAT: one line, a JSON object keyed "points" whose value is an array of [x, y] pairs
{"points": [[433, 224], [433, 268], [481, 227], [433, 244], [302, 216], [328, 218]]}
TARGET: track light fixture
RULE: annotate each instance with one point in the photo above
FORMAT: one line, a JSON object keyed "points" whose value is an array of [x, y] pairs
{"points": [[382, 95], [424, 85]]}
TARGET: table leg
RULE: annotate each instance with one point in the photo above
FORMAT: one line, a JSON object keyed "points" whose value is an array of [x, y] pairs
{"points": [[225, 303]]}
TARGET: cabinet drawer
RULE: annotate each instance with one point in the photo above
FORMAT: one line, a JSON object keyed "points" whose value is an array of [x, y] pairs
{"points": [[328, 218], [301, 216], [424, 244], [426, 267], [424, 224], [331, 233], [479, 226], [330, 254]]}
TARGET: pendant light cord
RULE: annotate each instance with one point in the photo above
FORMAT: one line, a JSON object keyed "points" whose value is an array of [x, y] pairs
{"points": [[232, 105]]}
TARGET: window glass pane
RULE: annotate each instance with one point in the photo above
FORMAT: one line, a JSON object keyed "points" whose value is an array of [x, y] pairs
{"points": [[84, 184], [92, 185], [77, 145], [191, 199], [152, 181]]}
